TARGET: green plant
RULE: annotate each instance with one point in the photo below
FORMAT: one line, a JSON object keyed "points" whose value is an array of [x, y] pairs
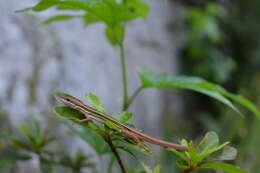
{"points": [[115, 15], [33, 140]]}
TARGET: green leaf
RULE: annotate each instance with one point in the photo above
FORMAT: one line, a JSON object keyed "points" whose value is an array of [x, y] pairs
{"points": [[131, 10], [9, 157], [90, 19], [152, 80], [123, 116], [228, 153], [58, 18], [208, 152], [95, 102], [208, 142], [92, 138], [208, 145], [222, 167], [115, 34], [241, 100], [180, 154], [44, 4], [46, 166], [157, 169], [68, 113], [127, 150]]}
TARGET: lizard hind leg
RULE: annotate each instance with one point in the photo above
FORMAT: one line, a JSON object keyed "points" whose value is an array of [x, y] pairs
{"points": [[132, 136], [83, 120]]}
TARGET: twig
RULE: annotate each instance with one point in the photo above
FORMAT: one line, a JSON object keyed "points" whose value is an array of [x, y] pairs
{"points": [[119, 160]]}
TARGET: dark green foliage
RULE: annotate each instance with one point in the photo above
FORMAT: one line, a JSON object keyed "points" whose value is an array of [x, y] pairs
{"points": [[34, 140]]}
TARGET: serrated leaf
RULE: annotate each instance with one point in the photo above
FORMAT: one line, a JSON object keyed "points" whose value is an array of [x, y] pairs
{"points": [[95, 102], [115, 34], [123, 116], [208, 142], [58, 18], [152, 80], [68, 113], [228, 153], [223, 167]]}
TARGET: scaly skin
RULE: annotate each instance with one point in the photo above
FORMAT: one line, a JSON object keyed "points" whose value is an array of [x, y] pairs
{"points": [[93, 114]]}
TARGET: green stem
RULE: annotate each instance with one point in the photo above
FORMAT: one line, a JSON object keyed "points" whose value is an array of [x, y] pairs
{"points": [[124, 76], [131, 99], [101, 163], [110, 166], [119, 160], [186, 170]]}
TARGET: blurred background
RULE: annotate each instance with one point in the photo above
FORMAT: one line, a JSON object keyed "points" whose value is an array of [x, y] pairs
{"points": [[217, 40]]}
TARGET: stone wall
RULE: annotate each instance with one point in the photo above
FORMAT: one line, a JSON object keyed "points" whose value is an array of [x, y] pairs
{"points": [[36, 60]]}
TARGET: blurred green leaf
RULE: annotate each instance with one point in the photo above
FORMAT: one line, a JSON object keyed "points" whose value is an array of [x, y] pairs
{"points": [[95, 102], [127, 150], [241, 100], [228, 153], [46, 166], [123, 116], [208, 152], [58, 18], [68, 113], [157, 169], [92, 138], [223, 167], [209, 141], [90, 19], [151, 80], [10, 157]]}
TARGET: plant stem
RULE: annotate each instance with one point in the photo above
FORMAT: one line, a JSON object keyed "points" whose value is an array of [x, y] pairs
{"points": [[101, 163], [186, 170], [119, 160], [124, 76], [131, 99], [110, 166]]}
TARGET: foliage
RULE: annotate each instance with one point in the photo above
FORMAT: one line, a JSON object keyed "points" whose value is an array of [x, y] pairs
{"points": [[33, 140], [200, 157], [110, 12], [107, 137]]}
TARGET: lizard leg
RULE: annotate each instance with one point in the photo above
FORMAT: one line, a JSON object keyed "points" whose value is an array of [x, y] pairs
{"points": [[84, 120], [132, 136], [88, 118]]}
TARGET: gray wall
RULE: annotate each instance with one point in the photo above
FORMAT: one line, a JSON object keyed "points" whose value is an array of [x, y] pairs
{"points": [[37, 60]]}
